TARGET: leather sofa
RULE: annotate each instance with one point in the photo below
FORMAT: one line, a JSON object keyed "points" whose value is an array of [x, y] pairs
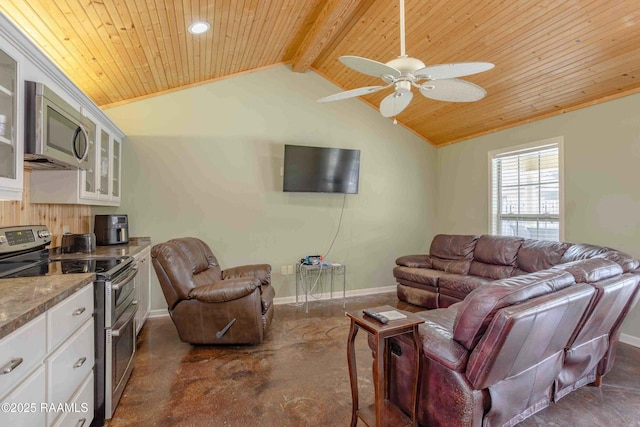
{"points": [[458, 264], [209, 305], [516, 344]]}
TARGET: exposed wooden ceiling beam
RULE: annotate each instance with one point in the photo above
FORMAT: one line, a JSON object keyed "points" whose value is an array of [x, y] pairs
{"points": [[334, 16]]}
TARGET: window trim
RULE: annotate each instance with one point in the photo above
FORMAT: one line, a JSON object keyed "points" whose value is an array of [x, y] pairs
{"points": [[531, 146]]}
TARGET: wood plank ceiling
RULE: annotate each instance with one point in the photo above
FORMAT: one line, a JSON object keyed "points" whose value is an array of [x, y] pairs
{"points": [[551, 56]]}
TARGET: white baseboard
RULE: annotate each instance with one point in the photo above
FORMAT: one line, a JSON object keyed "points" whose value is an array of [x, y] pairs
{"points": [[336, 295], [161, 312], [630, 339]]}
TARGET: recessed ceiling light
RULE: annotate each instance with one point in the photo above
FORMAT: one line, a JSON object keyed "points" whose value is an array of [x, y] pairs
{"points": [[199, 27]]}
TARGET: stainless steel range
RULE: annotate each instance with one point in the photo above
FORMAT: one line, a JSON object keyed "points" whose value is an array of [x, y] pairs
{"points": [[23, 253]]}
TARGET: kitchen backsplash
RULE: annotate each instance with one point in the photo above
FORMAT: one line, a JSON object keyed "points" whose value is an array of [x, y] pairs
{"points": [[76, 217]]}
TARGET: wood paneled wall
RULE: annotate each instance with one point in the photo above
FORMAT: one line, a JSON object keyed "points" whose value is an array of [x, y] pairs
{"points": [[76, 217]]}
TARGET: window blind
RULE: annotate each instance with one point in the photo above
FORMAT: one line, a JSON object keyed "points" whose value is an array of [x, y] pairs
{"points": [[525, 193]]}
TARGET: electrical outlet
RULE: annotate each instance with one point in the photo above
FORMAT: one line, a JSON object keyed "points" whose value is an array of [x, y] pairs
{"points": [[290, 269], [283, 270], [65, 229]]}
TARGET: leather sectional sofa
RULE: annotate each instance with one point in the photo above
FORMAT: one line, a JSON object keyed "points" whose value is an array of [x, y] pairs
{"points": [[535, 320]]}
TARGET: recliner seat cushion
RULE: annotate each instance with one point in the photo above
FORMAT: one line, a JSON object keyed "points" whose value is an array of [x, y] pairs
{"points": [[460, 284], [479, 307]]}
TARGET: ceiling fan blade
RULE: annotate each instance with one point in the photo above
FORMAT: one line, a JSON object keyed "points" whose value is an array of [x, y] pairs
{"points": [[369, 66], [451, 71], [393, 104], [352, 93], [452, 90]]}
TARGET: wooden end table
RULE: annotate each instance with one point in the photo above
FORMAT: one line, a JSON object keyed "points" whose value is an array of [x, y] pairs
{"points": [[382, 411]]}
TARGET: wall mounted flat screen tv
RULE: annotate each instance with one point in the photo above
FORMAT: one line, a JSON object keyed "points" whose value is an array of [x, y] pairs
{"points": [[321, 169]]}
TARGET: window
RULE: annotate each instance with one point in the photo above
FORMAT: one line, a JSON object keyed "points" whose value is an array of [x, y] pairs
{"points": [[526, 191]]}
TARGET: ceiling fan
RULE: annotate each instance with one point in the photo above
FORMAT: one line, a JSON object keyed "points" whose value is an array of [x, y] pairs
{"points": [[437, 82]]}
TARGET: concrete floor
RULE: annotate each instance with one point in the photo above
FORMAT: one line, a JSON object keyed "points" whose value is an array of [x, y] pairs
{"points": [[299, 377]]}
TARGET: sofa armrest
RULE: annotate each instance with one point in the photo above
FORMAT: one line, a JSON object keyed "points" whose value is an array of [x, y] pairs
{"points": [[225, 290], [415, 261], [259, 271], [436, 335]]}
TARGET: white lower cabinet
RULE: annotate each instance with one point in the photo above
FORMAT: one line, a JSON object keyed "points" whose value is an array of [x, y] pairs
{"points": [[82, 403], [143, 284], [23, 406], [46, 367]]}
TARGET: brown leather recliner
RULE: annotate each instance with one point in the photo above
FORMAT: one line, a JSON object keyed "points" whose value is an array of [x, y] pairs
{"points": [[209, 305]]}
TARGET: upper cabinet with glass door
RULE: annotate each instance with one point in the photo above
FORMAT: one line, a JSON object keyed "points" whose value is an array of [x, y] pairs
{"points": [[10, 175]]}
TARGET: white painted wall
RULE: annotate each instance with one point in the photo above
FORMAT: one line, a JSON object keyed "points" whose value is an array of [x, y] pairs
{"points": [[206, 162], [602, 178]]}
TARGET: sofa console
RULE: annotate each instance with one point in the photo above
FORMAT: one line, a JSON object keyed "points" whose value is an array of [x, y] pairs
{"points": [[516, 324]]}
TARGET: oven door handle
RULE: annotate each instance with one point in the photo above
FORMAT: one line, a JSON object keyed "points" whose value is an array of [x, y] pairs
{"points": [[116, 286], [116, 331]]}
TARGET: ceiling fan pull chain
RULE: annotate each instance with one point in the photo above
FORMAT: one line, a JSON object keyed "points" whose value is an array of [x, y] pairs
{"points": [[402, 47]]}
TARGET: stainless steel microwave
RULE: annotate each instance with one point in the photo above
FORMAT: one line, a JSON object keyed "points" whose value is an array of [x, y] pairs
{"points": [[55, 137]]}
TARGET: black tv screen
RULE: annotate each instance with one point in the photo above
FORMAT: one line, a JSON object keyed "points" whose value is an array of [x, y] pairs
{"points": [[321, 169]]}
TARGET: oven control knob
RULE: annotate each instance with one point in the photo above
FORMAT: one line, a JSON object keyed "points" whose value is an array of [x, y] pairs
{"points": [[44, 233], [3, 240]]}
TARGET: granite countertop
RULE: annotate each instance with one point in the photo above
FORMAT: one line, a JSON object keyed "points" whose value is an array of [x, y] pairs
{"points": [[134, 247], [24, 299]]}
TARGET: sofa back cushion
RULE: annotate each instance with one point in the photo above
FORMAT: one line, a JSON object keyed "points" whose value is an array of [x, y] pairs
{"points": [[452, 253], [478, 308], [495, 256], [537, 255], [591, 270], [582, 251], [453, 246], [626, 261]]}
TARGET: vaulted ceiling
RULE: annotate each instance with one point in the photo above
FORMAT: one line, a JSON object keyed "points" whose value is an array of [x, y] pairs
{"points": [[551, 56]]}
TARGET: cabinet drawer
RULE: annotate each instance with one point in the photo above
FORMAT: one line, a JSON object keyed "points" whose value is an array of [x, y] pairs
{"points": [[66, 317], [25, 402], [81, 406], [21, 351], [70, 365]]}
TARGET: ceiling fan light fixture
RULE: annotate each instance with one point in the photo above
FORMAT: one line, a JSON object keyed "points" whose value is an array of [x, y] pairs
{"points": [[199, 27]]}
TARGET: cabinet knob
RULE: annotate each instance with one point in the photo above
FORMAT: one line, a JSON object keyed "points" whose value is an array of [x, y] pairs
{"points": [[79, 311]]}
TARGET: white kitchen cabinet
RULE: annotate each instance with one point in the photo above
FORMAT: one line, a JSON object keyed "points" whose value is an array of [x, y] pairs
{"points": [[100, 184], [143, 284], [10, 144], [50, 362]]}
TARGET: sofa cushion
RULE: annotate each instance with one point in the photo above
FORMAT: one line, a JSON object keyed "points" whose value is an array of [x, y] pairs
{"points": [[460, 284], [536, 255], [591, 270], [415, 261], [448, 246], [626, 261], [478, 308], [425, 276], [497, 250], [582, 251], [436, 335], [457, 266], [491, 271]]}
